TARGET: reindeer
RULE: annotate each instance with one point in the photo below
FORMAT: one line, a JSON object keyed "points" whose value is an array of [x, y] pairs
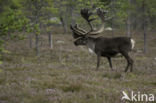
{"points": [[102, 46]]}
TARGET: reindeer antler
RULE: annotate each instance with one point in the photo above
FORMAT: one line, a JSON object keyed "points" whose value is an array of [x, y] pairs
{"points": [[101, 15], [76, 33], [85, 13]]}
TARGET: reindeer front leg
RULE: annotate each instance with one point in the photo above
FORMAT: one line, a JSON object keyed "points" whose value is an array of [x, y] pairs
{"points": [[110, 63], [98, 60]]}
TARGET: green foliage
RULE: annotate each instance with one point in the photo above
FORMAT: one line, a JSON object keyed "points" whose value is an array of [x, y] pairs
{"points": [[12, 21], [120, 10], [39, 13], [30, 15]]}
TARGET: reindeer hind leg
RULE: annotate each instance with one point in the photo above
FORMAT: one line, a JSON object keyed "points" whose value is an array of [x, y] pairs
{"points": [[129, 61]]}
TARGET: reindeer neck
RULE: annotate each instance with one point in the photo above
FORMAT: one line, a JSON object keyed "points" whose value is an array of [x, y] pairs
{"points": [[91, 44]]}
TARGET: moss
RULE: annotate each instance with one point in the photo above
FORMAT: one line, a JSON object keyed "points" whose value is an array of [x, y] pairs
{"points": [[25, 78], [131, 76], [2, 80], [112, 75], [74, 87], [153, 83]]}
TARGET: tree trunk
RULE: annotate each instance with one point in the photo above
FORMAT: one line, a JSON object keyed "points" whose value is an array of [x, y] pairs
{"points": [[41, 40], [128, 29], [30, 40], [144, 27], [37, 46], [63, 23], [129, 21], [66, 24], [50, 41], [72, 15], [66, 20], [145, 38], [112, 26], [112, 21]]}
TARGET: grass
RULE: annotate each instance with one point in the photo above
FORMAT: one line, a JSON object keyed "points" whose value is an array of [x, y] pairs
{"points": [[67, 74]]}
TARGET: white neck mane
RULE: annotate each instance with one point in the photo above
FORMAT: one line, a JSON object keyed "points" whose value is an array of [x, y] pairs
{"points": [[91, 47]]}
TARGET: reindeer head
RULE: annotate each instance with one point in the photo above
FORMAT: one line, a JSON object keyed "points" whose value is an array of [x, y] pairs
{"points": [[82, 35], [81, 41]]}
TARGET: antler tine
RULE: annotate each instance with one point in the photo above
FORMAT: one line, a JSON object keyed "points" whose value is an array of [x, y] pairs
{"points": [[85, 13], [75, 34], [101, 15], [75, 29], [80, 29]]}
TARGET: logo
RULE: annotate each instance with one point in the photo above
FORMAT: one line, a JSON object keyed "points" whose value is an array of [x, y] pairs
{"points": [[137, 96]]}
